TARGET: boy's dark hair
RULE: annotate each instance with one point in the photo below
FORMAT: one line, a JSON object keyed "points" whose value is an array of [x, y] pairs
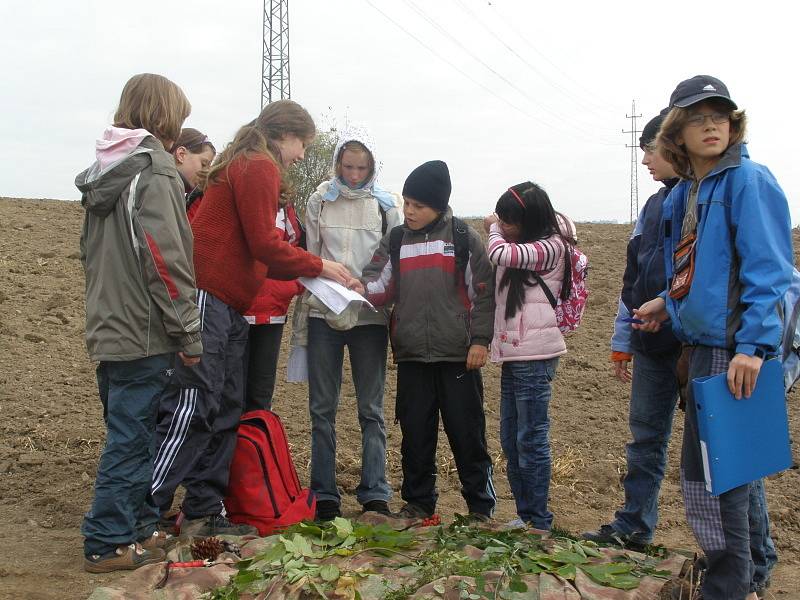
{"points": [[528, 205]]}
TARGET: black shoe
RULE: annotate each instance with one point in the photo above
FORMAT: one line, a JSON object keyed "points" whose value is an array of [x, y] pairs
{"points": [[378, 506], [608, 535], [328, 510], [215, 525], [475, 517], [413, 511]]}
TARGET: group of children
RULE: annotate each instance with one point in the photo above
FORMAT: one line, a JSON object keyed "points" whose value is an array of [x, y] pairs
{"points": [[186, 323]]}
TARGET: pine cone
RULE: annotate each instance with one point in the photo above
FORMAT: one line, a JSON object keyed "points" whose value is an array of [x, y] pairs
{"points": [[207, 548]]}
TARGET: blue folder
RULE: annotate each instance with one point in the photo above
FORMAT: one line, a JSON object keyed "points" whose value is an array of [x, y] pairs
{"points": [[742, 440]]}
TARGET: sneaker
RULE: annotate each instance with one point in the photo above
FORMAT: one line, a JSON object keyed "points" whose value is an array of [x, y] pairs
{"points": [[124, 558], [413, 511], [608, 535], [328, 510], [215, 525], [159, 539], [378, 506]]}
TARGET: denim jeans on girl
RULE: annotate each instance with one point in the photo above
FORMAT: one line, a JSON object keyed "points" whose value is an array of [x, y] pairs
{"points": [[123, 510], [367, 346], [525, 435]]}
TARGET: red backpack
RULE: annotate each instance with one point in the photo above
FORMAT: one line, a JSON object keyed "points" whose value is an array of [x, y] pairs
{"points": [[264, 490]]}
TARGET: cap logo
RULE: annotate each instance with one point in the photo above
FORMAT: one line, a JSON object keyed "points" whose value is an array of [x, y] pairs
{"points": [[709, 88]]}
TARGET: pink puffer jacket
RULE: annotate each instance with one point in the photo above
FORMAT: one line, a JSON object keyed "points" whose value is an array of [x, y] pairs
{"points": [[532, 333]]}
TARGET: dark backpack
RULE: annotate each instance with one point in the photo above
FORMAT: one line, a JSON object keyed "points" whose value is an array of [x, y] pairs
{"points": [[264, 490], [790, 340], [460, 247]]}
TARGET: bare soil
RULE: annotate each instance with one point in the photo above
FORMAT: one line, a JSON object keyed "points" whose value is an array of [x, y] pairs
{"points": [[51, 429]]}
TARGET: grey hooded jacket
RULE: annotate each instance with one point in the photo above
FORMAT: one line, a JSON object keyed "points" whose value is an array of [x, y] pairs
{"points": [[136, 250]]}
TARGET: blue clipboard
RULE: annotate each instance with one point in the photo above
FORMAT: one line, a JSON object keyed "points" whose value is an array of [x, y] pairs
{"points": [[742, 440]]}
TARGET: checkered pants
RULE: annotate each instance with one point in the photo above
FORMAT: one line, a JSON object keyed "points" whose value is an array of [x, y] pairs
{"points": [[719, 523]]}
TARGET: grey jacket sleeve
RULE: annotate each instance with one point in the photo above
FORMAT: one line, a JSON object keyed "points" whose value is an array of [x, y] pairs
{"points": [[377, 275], [165, 247], [480, 278]]}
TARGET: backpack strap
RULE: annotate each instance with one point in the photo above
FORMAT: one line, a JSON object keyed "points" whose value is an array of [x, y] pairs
{"points": [[566, 281], [461, 244], [384, 222], [395, 241], [550, 298]]}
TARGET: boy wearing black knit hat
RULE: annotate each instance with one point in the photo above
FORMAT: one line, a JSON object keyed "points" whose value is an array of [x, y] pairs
{"points": [[435, 270]]}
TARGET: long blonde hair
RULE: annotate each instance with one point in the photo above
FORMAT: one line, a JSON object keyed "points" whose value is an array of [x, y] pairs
{"points": [[278, 119], [153, 102], [675, 154]]}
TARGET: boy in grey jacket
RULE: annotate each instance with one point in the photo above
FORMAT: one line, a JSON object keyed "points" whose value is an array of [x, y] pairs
{"points": [[136, 249], [440, 329]]}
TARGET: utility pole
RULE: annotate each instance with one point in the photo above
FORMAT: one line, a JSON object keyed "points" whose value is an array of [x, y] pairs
{"points": [[634, 146], [275, 57]]}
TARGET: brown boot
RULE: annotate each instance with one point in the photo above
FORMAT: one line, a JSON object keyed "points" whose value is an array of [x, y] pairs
{"points": [[124, 558]]}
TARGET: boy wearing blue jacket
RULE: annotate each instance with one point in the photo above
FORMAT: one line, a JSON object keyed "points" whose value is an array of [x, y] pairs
{"points": [[728, 259]]}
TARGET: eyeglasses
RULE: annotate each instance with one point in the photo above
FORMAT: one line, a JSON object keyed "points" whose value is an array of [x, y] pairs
{"points": [[699, 119]]}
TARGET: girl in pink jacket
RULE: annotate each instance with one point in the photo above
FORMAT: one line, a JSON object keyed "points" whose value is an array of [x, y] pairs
{"points": [[528, 244]]}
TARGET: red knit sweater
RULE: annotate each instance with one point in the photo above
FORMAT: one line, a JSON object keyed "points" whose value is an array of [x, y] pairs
{"points": [[235, 235]]}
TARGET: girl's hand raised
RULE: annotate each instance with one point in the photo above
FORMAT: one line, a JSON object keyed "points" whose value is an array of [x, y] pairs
{"points": [[333, 270], [488, 221]]}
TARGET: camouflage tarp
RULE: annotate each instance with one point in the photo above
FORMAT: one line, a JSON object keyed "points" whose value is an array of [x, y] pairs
{"points": [[370, 575]]}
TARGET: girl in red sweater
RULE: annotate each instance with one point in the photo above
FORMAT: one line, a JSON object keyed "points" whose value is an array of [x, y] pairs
{"points": [[236, 246]]}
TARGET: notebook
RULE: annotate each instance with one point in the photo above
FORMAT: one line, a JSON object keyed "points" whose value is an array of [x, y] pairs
{"points": [[742, 440]]}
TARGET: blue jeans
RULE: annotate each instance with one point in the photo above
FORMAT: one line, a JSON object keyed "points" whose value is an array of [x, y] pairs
{"points": [[525, 435], [367, 345], [762, 548], [654, 394], [123, 510]]}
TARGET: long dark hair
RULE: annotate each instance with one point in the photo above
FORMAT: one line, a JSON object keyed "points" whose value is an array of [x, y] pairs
{"points": [[527, 205]]}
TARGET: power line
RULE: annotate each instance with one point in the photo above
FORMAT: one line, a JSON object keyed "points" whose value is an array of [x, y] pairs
{"points": [[455, 67], [568, 123], [576, 99], [634, 162], [592, 93]]}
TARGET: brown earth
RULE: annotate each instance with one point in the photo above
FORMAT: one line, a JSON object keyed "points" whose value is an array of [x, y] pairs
{"points": [[52, 430]]}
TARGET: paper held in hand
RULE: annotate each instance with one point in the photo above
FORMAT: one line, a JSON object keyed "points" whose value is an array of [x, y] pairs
{"points": [[334, 295]]}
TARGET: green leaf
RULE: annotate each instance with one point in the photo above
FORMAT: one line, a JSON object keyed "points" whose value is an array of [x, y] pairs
{"points": [[329, 572], [302, 546], [517, 585], [573, 558], [344, 527], [615, 575], [438, 587], [566, 571]]}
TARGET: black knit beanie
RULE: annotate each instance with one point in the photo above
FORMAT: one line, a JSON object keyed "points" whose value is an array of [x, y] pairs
{"points": [[429, 184], [650, 130]]}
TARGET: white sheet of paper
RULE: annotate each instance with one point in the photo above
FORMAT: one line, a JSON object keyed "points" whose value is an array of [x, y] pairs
{"points": [[333, 295]]}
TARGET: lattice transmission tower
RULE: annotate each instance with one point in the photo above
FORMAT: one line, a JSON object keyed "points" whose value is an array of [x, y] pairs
{"points": [[275, 59], [634, 146]]}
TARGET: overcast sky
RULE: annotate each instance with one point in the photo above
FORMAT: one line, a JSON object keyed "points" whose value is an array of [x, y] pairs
{"points": [[503, 91]]}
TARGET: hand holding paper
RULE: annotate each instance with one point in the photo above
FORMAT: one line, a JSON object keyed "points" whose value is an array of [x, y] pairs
{"points": [[332, 294]]}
